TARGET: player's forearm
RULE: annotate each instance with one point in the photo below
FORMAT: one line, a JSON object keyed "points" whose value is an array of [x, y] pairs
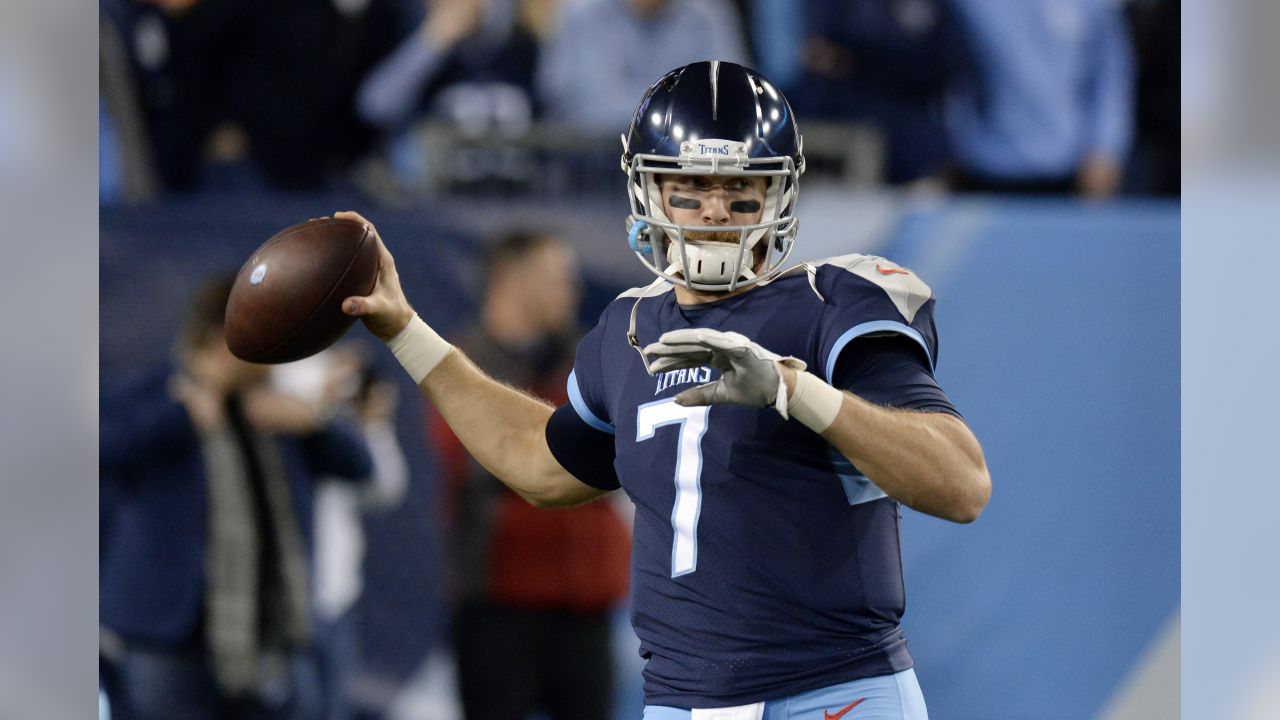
{"points": [[503, 429], [928, 461]]}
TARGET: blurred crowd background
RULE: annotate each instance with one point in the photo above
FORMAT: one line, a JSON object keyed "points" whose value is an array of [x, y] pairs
{"points": [[401, 98], [1023, 157]]}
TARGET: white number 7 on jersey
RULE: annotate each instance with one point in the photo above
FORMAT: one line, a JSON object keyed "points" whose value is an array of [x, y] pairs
{"points": [[688, 475]]}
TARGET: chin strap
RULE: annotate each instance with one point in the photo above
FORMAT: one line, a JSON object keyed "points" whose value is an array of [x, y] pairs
{"points": [[632, 340], [738, 255]]}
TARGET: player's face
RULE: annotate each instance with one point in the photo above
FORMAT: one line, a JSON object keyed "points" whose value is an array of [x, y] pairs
{"points": [[713, 200]]}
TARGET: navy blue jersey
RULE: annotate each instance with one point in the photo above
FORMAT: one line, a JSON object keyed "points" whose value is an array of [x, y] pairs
{"points": [[764, 563]]}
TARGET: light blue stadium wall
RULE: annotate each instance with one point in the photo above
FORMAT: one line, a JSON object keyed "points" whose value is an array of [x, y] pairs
{"points": [[1059, 342]]}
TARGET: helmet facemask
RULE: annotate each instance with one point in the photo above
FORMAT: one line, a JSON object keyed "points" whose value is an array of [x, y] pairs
{"points": [[664, 247]]}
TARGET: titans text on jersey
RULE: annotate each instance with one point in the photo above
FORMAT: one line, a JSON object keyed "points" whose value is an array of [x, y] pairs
{"points": [[672, 378]]}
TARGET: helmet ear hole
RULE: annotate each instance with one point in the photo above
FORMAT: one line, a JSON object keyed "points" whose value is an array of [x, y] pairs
{"points": [[641, 237]]}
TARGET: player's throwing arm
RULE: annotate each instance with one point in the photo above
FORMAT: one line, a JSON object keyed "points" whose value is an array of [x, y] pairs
{"points": [[504, 429]]}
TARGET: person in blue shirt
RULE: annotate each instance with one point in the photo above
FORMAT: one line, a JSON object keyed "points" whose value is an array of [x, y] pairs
{"points": [[767, 423], [1044, 102]]}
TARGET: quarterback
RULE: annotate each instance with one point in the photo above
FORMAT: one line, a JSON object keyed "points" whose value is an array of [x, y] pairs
{"points": [[767, 422]]}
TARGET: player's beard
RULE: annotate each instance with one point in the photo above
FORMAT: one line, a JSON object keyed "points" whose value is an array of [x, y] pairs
{"points": [[727, 236]]}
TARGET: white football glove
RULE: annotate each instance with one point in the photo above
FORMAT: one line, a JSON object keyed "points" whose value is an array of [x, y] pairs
{"points": [[749, 373]]}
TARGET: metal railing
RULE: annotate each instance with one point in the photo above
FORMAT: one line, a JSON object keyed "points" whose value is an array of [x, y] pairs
{"points": [[545, 157]]}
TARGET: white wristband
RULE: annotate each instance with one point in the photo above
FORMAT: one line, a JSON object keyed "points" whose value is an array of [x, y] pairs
{"points": [[419, 348], [814, 403]]}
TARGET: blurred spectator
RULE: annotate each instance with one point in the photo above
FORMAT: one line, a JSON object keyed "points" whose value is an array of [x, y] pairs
{"points": [[204, 581], [533, 588], [126, 171], [470, 64], [1157, 162], [478, 49], [776, 30], [343, 380], [883, 62], [110, 162], [1046, 105], [607, 52], [277, 77]]}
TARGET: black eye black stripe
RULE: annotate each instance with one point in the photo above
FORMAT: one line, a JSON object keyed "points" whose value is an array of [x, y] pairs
{"points": [[685, 203], [744, 206]]}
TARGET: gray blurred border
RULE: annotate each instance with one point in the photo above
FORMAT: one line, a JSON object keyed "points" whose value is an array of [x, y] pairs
{"points": [[48, 390], [1230, 254]]}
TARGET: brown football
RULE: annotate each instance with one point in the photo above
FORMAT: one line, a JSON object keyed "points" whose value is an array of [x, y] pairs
{"points": [[286, 303]]}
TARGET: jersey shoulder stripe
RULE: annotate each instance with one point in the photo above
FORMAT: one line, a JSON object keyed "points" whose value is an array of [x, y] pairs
{"points": [[869, 329], [580, 406]]}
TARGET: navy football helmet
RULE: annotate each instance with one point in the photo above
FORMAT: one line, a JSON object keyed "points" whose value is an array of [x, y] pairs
{"points": [[712, 118]]}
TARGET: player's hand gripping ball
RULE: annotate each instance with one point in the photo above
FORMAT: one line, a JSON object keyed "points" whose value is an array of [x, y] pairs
{"points": [[286, 303]]}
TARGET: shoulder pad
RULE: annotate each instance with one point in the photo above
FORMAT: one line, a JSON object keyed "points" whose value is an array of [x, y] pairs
{"points": [[907, 291], [657, 287]]}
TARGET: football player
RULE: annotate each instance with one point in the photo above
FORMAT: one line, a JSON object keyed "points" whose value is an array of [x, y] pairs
{"points": [[765, 423]]}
